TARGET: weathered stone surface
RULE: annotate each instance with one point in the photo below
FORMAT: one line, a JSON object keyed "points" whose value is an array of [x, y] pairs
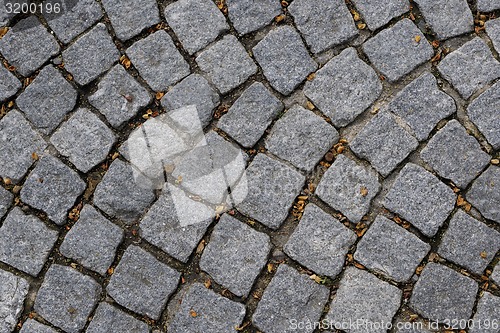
{"points": [[158, 61], [84, 139], [301, 137], [235, 255], [18, 141], [349, 188], [92, 241], [420, 198], [47, 99], [361, 296], [203, 309], [130, 17], [376, 13], [395, 52], [109, 319], [493, 31], [78, 16], [284, 59], [268, 192], [141, 283], [290, 295], [422, 105], [226, 63], [495, 276], [5, 201], [52, 187], [455, 155], [487, 5], [90, 55], [344, 88], [484, 194], [389, 249], [66, 298], [25, 242], [5, 16], [122, 193], [32, 326], [487, 314], [13, 291], [484, 112], [28, 45], [193, 90], [320, 242], [119, 96], [384, 143], [195, 22], [447, 18], [470, 67], [249, 15], [9, 84], [441, 293], [323, 23]]}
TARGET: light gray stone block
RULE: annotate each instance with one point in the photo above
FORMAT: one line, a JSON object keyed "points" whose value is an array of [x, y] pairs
{"points": [[487, 313], [9, 84], [378, 13], [249, 15], [484, 194], [109, 319], [32, 326], [13, 291]]}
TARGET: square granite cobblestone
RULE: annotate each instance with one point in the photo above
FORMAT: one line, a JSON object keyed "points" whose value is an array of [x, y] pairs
{"points": [[5, 201], [395, 51], [378, 13], [249, 15], [391, 250], [344, 87], [420, 198], [13, 291], [284, 59], [484, 194], [109, 319], [290, 295], [32, 326], [487, 5], [25, 242], [9, 84], [320, 242], [493, 31], [487, 314]]}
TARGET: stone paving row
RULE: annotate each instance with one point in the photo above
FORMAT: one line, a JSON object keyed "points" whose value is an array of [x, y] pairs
{"points": [[368, 133]]}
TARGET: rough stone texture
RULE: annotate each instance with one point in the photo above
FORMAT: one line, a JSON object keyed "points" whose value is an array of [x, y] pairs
{"points": [[18, 141], [90, 55], [158, 61], [119, 96], [376, 14], [52, 187], [78, 17], [250, 15], [420, 198], [109, 319], [5, 17], [92, 241], [195, 22], [284, 59], [66, 298], [323, 23], [9, 84], [25, 242], [395, 52], [290, 295], [487, 314], [47, 99], [447, 18], [469, 243], [389, 249], [13, 291], [455, 155], [28, 45], [193, 90], [5, 201], [32, 326], [470, 67], [122, 193], [384, 143], [130, 17], [141, 283], [349, 188], [495, 276], [235, 255], [422, 105], [441, 293], [484, 112], [269, 190], [301, 137], [344, 88], [484, 194], [493, 31], [487, 5], [84, 139], [226, 63], [361, 296], [202, 310], [320, 242]]}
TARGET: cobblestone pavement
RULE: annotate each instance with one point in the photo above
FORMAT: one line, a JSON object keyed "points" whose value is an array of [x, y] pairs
{"points": [[370, 131]]}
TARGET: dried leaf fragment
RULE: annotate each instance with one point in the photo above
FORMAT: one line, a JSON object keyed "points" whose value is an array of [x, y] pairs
{"points": [[484, 255], [364, 191], [418, 38], [279, 18], [193, 313]]}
